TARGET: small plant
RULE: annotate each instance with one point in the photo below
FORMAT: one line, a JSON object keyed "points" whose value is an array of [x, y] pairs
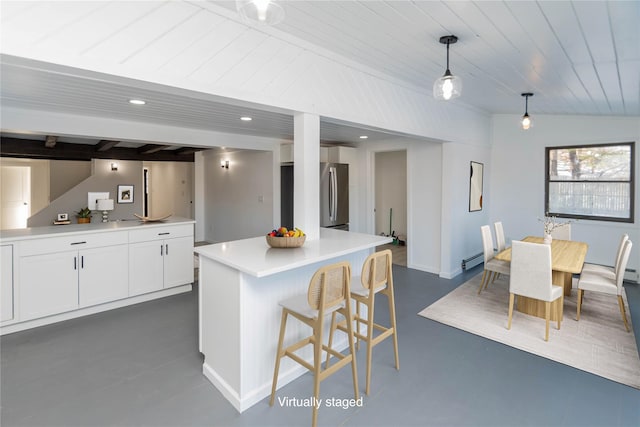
{"points": [[84, 213]]}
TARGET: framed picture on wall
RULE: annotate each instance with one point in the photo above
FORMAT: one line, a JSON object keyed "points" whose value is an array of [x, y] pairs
{"points": [[125, 193], [475, 186]]}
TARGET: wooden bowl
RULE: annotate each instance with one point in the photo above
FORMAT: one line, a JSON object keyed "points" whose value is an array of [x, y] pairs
{"points": [[285, 242]]}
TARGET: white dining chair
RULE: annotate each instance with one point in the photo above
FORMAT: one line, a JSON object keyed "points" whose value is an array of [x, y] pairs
{"points": [[562, 232], [492, 266], [500, 242], [604, 270], [531, 277], [590, 281]]}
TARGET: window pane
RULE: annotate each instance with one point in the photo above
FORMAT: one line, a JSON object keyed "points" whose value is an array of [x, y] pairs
{"points": [[608, 163], [590, 198]]}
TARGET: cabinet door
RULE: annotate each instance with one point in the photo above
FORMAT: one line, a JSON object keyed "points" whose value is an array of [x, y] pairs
{"points": [[48, 284], [146, 267], [103, 275], [6, 283], [178, 262]]}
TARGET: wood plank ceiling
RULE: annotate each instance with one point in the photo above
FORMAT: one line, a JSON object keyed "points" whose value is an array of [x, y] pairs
{"points": [[577, 57]]}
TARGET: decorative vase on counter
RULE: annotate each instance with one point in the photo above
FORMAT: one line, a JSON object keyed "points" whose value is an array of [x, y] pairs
{"points": [[547, 238]]}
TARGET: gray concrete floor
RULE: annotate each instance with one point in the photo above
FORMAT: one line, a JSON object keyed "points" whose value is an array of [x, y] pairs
{"points": [[140, 366]]}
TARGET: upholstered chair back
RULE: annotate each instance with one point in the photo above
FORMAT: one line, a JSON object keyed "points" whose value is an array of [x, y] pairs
{"points": [[487, 243], [562, 233], [531, 270], [622, 265], [500, 236]]}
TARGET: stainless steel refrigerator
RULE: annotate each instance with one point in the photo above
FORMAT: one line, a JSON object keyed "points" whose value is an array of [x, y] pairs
{"points": [[334, 195]]}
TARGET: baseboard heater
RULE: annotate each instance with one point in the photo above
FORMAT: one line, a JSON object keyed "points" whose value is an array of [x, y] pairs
{"points": [[472, 261]]}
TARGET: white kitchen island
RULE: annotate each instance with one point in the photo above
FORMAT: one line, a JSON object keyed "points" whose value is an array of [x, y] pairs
{"points": [[240, 286]]}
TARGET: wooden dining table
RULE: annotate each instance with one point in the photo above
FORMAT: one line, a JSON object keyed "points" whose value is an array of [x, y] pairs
{"points": [[567, 259]]}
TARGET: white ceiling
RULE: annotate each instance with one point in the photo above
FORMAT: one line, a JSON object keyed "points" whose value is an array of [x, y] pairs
{"points": [[576, 57]]}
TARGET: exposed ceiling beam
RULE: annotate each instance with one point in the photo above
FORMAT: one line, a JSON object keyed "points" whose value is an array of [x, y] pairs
{"points": [[16, 147], [51, 141], [151, 148], [105, 145], [187, 150]]}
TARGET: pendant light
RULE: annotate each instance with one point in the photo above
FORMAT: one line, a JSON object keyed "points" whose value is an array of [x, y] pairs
{"points": [[448, 86], [263, 12], [526, 120]]}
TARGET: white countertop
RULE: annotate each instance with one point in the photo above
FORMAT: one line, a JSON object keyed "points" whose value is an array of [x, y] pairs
{"points": [[255, 257], [94, 227]]}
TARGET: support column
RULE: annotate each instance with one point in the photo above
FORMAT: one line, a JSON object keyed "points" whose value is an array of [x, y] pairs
{"points": [[306, 174]]}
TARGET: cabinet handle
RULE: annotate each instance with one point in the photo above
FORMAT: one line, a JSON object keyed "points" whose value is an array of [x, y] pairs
{"points": [[166, 249], [78, 243], [161, 250], [164, 234], [75, 263], [82, 261]]}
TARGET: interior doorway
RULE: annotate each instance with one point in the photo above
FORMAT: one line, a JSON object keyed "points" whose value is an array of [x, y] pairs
{"points": [[391, 201], [15, 195]]}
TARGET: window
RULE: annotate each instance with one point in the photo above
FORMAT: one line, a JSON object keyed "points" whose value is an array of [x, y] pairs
{"points": [[590, 181]]}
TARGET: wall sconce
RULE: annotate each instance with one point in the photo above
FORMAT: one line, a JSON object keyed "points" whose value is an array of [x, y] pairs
{"points": [[114, 166], [105, 205], [224, 164]]}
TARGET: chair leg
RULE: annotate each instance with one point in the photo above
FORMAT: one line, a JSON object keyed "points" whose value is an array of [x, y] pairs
{"points": [[622, 311], [511, 298], [369, 344], [332, 329], [560, 311], [352, 350], [547, 315], [283, 324], [317, 367], [580, 293], [484, 274], [392, 321], [357, 324]]}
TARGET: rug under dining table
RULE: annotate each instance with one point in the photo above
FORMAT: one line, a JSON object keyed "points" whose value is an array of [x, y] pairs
{"points": [[598, 343]]}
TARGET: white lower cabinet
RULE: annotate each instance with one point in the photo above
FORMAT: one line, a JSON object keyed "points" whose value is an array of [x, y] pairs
{"points": [[159, 264], [48, 284], [57, 277], [6, 283], [66, 273], [103, 275]]}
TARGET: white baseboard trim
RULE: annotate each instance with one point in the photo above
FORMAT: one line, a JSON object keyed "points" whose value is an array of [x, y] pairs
{"points": [[251, 397], [450, 274], [21, 326], [425, 268]]}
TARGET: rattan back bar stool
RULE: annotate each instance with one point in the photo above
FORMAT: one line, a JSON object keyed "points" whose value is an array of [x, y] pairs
{"points": [[329, 292], [376, 278]]}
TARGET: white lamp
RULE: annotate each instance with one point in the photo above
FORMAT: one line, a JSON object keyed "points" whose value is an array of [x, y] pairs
{"points": [[105, 205]]}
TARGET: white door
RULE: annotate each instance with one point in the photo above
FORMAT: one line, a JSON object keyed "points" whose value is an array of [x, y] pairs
{"points": [[178, 261], [104, 275], [15, 195], [146, 267]]}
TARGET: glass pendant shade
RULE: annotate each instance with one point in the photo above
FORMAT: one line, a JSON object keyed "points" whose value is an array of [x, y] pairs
{"points": [[447, 87], [264, 12], [526, 119]]}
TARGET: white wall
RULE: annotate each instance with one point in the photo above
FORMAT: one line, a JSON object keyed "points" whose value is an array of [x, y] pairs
{"points": [[518, 177], [239, 200], [66, 174]]}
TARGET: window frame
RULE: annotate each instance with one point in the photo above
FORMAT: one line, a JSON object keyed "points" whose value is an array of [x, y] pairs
{"points": [[630, 219]]}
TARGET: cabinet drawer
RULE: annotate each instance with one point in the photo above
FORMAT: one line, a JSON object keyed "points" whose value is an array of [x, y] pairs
{"points": [[70, 243], [160, 233]]}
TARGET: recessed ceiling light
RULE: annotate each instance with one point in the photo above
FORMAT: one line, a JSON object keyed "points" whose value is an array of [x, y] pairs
{"points": [[363, 137], [137, 101], [246, 119]]}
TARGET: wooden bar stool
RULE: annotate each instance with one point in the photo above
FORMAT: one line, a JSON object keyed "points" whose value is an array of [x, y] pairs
{"points": [[376, 278], [329, 292]]}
